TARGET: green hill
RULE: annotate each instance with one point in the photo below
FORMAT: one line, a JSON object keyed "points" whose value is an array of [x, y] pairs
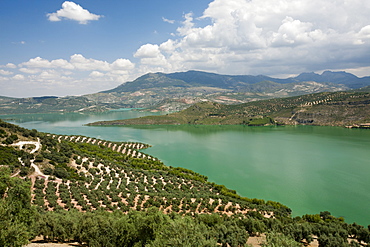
{"points": [[331, 108]]}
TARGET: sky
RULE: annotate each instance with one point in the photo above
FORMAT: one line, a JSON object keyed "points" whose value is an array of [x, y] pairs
{"points": [[78, 47]]}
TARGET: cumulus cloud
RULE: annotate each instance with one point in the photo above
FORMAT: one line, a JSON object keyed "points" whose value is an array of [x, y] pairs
{"points": [[73, 11], [5, 72], [61, 63], [73, 76], [82, 63], [96, 74], [268, 37], [147, 51], [11, 66], [76, 62], [18, 77], [29, 71], [122, 64], [152, 59], [37, 62]]}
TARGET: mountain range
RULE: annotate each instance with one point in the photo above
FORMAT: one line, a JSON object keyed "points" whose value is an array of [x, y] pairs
{"points": [[177, 91]]}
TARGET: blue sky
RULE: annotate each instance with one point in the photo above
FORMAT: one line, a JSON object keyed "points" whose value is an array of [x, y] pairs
{"points": [[85, 46]]}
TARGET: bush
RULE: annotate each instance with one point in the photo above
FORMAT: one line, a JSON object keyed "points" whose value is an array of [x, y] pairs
{"points": [[3, 133], [61, 172], [11, 139], [48, 171], [277, 239]]}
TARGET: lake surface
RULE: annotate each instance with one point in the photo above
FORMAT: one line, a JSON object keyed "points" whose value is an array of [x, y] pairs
{"points": [[309, 169]]}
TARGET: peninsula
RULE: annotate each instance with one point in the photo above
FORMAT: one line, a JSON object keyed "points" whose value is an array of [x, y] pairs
{"points": [[347, 108]]}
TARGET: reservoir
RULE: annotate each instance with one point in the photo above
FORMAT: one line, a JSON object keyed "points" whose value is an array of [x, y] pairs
{"points": [[308, 168]]}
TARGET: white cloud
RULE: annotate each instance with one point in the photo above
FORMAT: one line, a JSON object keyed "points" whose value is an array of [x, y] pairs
{"points": [[49, 75], [5, 72], [61, 63], [152, 59], [360, 72], [96, 74], [363, 35], [37, 62], [187, 26], [168, 21], [2, 78], [122, 64], [29, 71], [148, 51], [267, 37], [82, 63], [294, 32], [77, 62], [18, 77], [11, 66], [77, 75], [168, 46], [73, 11]]}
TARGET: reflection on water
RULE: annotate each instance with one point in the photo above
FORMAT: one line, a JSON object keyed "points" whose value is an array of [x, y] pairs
{"points": [[76, 117]]}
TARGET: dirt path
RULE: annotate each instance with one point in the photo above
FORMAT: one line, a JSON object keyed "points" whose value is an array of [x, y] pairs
{"points": [[51, 245], [36, 144]]}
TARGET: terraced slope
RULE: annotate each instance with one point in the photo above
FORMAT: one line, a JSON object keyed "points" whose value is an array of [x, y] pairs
{"points": [[77, 172], [127, 148], [101, 193]]}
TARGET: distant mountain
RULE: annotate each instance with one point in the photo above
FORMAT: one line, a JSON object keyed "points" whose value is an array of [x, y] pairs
{"points": [[177, 91], [340, 77], [233, 82]]}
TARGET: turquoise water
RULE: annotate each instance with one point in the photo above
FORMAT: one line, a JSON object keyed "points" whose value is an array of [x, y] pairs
{"points": [[310, 169]]}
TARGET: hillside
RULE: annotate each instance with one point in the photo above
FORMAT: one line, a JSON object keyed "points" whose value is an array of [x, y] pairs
{"points": [[101, 193], [49, 104], [177, 91], [233, 82], [333, 109]]}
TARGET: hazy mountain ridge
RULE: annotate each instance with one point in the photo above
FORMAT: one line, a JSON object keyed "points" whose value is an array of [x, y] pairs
{"points": [[177, 91]]}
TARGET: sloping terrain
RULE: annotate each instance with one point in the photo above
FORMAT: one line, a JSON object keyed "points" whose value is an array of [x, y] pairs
{"points": [[87, 173], [101, 193], [176, 91], [49, 104], [333, 109], [233, 82]]}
